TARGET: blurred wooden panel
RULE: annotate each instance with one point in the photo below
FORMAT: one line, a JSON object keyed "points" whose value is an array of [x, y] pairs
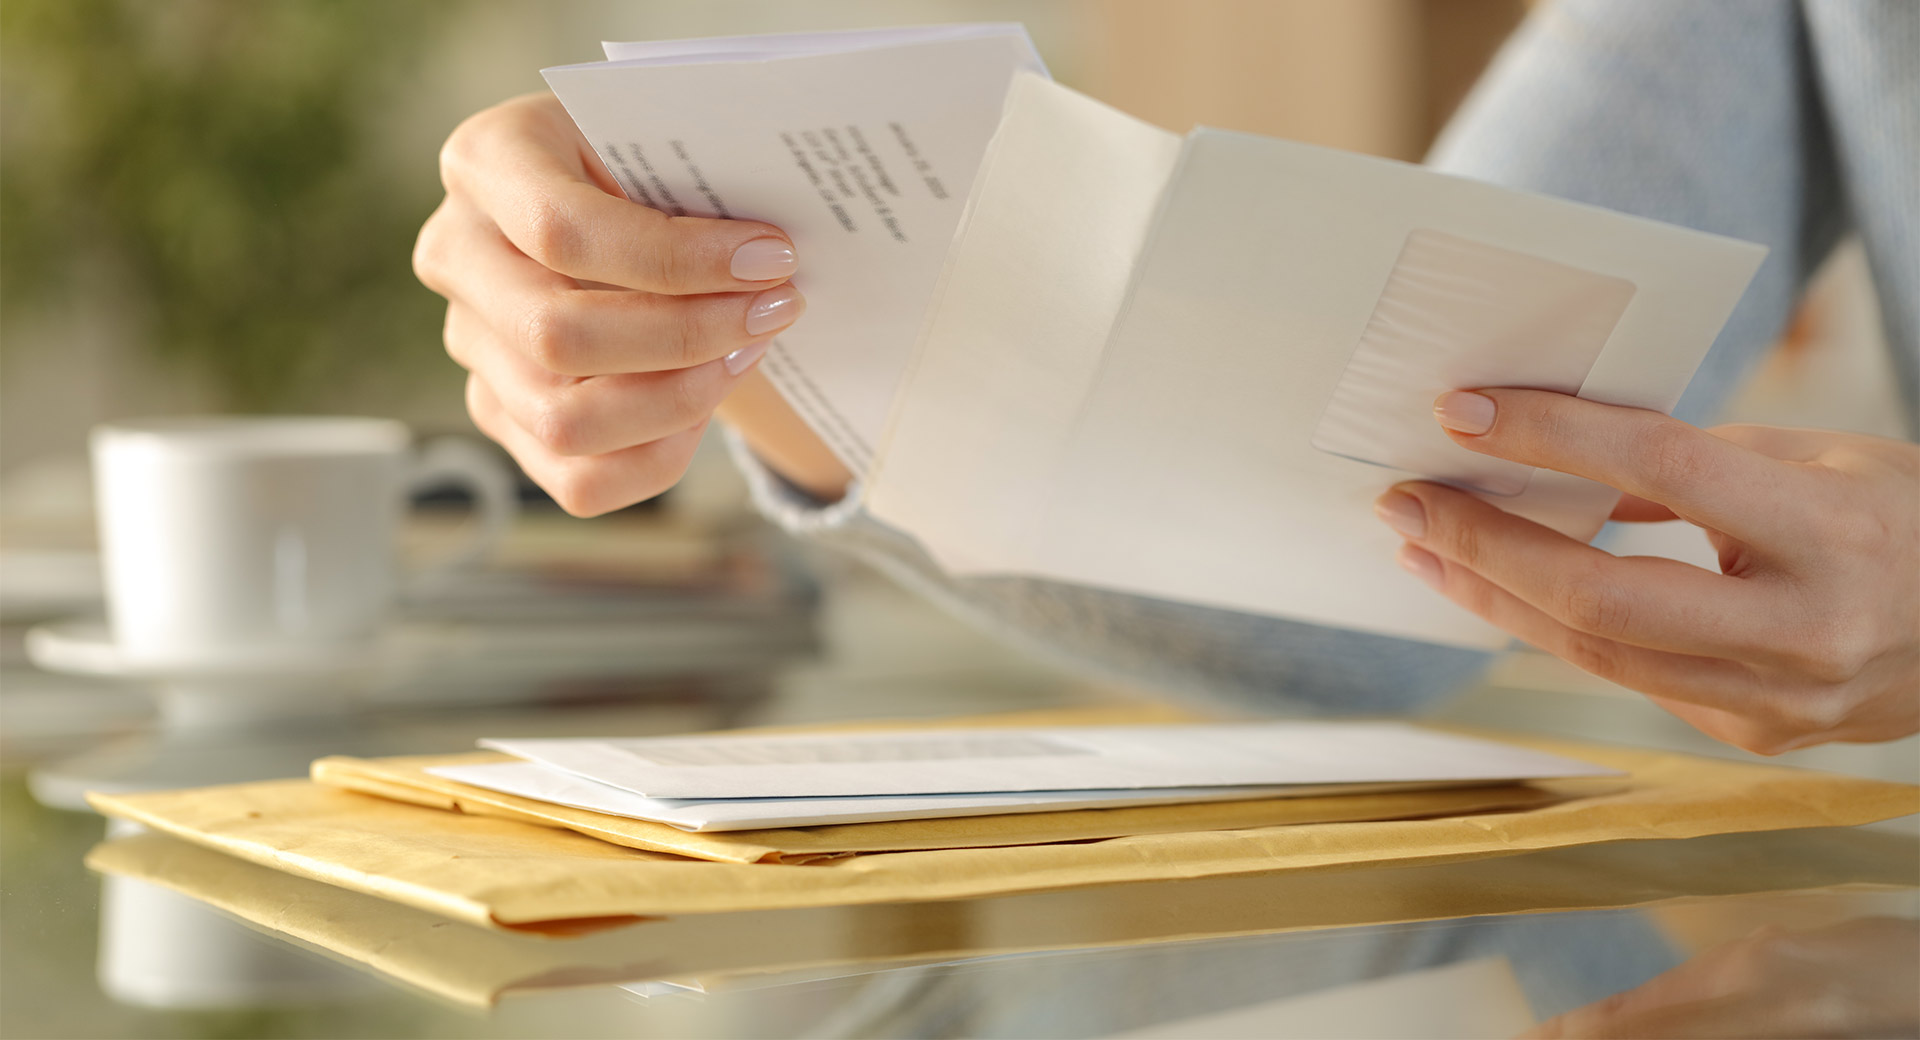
{"points": [[1459, 38], [1374, 76]]}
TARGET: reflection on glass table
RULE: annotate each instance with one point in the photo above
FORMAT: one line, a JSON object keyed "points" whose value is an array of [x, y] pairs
{"points": [[1477, 948]]}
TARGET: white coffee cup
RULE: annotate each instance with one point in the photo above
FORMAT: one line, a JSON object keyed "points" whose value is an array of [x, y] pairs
{"points": [[225, 537]]}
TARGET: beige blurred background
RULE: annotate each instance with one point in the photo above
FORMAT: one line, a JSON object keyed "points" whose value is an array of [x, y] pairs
{"points": [[86, 337], [96, 322]]}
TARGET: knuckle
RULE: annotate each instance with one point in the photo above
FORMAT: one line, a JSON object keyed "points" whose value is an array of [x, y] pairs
{"points": [[425, 263], [1591, 604], [674, 262], [547, 334], [1467, 542], [1540, 423], [1478, 596], [686, 335], [456, 349], [559, 424], [1595, 656], [553, 237], [1785, 722], [579, 490], [1813, 714], [1832, 653], [1760, 738], [464, 149], [429, 253], [476, 407], [1857, 533], [456, 154], [1670, 456], [685, 400]]}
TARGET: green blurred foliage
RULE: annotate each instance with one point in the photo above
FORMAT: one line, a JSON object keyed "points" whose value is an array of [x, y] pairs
{"points": [[217, 160]]}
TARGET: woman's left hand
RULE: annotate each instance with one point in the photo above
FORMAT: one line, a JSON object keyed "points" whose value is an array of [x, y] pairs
{"points": [[1810, 633]]}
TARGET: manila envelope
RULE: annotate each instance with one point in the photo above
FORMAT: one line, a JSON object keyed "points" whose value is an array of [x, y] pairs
{"points": [[508, 873], [477, 965]]}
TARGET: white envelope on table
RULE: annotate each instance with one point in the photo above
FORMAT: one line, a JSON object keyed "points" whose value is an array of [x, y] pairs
{"points": [[1040, 759], [546, 784]]}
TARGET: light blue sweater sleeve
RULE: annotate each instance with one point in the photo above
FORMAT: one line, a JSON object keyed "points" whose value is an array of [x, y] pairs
{"points": [[1704, 113], [1696, 113]]}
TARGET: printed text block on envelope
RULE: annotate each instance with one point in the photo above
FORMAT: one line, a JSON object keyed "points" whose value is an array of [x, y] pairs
{"points": [[1049, 759]]}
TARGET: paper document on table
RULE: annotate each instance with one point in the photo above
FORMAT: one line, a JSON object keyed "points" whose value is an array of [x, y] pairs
{"points": [[546, 784], [1245, 355], [862, 146], [1040, 759]]}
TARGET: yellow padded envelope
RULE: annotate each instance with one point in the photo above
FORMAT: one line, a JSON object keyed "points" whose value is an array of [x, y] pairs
{"points": [[507, 873]]}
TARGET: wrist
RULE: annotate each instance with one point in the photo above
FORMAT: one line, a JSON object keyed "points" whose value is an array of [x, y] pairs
{"points": [[783, 441]]}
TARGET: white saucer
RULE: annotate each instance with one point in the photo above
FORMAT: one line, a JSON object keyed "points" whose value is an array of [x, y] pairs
{"points": [[476, 650], [87, 648]]}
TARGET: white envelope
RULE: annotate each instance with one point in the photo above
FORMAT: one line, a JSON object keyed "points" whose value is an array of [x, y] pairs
{"points": [[1185, 368], [545, 784], [1040, 759]]}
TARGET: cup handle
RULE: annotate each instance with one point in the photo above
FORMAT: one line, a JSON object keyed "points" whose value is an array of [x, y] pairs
{"points": [[463, 463]]}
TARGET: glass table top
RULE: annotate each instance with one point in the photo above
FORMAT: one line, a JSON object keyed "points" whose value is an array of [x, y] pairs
{"points": [[178, 941], [167, 940]]}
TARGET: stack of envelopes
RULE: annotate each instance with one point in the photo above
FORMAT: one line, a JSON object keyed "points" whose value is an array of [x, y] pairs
{"points": [[554, 835]]}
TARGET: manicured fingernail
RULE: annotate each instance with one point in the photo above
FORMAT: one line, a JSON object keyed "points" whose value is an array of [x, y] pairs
{"points": [[1422, 564], [1403, 513], [741, 360], [774, 310], [1463, 412], [764, 259]]}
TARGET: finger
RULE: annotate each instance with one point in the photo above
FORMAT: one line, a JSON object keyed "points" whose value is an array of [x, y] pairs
{"points": [[593, 416], [1647, 601], [1700, 680], [563, 328], [1709, 480], [586, 486], [1633, 509], [518, 168], [1751, 727]]}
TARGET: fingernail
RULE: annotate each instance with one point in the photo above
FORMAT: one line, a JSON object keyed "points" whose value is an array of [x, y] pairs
{"points": [[764, 259], [1422, 564], [741, 360], [1403, 513], [774, 310], [1463, 412]]}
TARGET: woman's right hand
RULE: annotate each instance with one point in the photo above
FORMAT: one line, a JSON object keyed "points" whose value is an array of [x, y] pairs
{"points": [[598, 335]]}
